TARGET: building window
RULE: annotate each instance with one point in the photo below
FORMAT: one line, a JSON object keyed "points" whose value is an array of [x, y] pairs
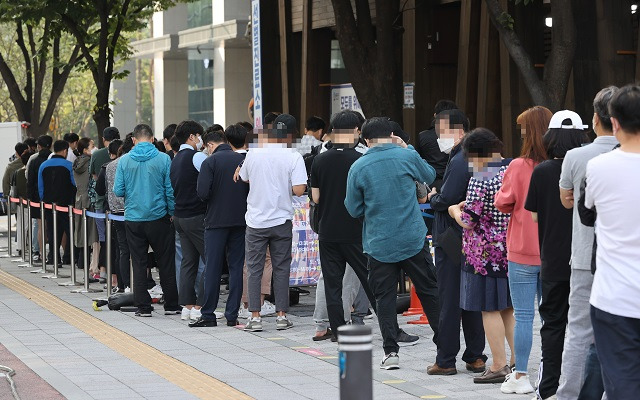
{"points": [[199, 13], [201, 91]]}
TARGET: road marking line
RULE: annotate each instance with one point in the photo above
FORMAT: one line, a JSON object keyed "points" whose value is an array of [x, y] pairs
{"points": [[182, 375]]}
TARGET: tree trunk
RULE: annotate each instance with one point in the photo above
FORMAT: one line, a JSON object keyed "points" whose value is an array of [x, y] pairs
{"points": [[373, 62], [552, 89], [102, 113]]}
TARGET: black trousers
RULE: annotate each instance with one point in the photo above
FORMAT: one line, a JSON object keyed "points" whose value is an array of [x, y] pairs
{"points": [[383, 280], [221, 244], [451, 314], [553, 309], [62, 227], [158, 234], [618, 346], [334, 258], [124, 276], [191, 232]]}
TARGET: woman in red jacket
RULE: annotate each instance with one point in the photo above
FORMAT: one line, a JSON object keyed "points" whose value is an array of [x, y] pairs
{"points": [[523, 251]]}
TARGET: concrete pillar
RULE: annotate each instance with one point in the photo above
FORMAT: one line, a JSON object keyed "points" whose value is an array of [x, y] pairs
{"points": [[171, 100], [123, 94], [228, 10], [231, 85]]}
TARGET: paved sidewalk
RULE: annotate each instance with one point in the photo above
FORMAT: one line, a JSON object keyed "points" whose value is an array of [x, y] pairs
{"points": [[264, 365]]}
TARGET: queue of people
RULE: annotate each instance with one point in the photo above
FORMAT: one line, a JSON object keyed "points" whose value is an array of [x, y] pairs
{"points": [[508, 233]]}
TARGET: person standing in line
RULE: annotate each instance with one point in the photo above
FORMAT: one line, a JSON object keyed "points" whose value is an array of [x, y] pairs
{"points": [[100, 157], [340, 235], [523, 250], [56, 185], [82, 178], [566, 132], [167, 134], [381, 189], [13, 166], [224, 225], [33, 166], [613, 191], [580, 332], [189, 213], [276, 173], [484, 285], [314, 129], [72, 139], [117, 208], [451, 126], [142, 178]]}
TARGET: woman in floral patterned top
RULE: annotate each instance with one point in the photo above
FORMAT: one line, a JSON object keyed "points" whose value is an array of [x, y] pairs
{"points": [[484, 285]]}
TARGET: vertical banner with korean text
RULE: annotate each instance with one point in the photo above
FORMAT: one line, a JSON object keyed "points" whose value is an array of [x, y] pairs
{"points": [[257, 63]]}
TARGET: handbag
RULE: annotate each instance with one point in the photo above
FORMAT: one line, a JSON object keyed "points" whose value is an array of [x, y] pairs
{"points": [[314, 216], [451, 243]]}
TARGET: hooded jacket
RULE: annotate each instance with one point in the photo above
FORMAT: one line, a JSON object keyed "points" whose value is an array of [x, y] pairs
{"points": [[142, 178], [81, 176]]}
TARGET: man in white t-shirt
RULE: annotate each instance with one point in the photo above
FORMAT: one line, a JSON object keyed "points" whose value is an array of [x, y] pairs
{"points": [[613, 189], [275, 173]]}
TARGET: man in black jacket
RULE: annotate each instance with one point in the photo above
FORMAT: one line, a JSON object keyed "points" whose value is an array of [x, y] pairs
{"points": [[428, 144], [33, 165], [56, 185], [452, 126], [224, 224]]}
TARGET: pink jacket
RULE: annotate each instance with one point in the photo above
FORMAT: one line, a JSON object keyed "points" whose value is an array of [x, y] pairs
{"points": [[522, 232]]}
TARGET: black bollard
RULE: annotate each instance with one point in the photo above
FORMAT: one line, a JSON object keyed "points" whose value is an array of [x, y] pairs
{"points": [[356, 376]]}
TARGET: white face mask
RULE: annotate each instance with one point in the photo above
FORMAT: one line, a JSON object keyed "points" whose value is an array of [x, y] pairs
{"points": [[446, 144], [199, 143], [93, 150]]}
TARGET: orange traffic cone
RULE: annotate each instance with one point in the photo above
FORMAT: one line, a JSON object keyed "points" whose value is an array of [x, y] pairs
{"points": [[415, 308]]}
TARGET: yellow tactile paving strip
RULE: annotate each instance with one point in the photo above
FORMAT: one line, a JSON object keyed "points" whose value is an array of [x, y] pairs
{"points": [[182, 375]]}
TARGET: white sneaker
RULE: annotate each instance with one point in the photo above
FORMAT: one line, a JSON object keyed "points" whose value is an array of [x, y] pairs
{"points": [[127, 289], [156, 292], [219, 314], [195, 314], [185, 314], [267, 309], [512, 384], [243, 312], [390, 361]]}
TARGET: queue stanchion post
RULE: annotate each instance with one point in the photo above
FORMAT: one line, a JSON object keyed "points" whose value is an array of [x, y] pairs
{"points": [[356, 376], [43, 249], [19, 232], [8, 230], [107, 227], [23, 241], [30, 234], [131, 274], [55, 250], [85, 243], [74, 280]]}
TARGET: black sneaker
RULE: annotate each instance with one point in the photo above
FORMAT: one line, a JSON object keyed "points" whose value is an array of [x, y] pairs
{"points": [[143, 313], [173, 312], [404, 339], [36, 257]]}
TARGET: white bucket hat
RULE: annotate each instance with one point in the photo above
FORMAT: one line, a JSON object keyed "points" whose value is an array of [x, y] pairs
{"points": [[560, 116]]}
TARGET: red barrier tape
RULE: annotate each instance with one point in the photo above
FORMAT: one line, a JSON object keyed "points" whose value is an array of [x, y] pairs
{"points": [[25, 202], [48, 206], [34, 204], [14, 200], [62, 208], [77, 212]]}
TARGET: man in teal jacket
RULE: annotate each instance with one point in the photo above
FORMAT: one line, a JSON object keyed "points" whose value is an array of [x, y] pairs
{"points": [[381, 189], [142, 178]]}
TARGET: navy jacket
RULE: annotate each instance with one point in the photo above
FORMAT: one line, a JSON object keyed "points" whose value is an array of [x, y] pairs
{"points": [[226, 199], [454, 190], [55, 181]]}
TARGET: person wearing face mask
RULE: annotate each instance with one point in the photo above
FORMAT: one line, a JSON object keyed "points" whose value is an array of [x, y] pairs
{"points": [[81, 176], [484, 282], [451, 126], [189, 214], [429, 145]]}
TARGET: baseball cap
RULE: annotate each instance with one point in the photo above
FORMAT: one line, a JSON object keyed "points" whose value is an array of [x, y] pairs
{"points": [[284, 125], [559, 117]]}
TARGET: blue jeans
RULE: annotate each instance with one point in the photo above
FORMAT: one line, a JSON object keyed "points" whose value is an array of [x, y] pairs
{"points": [[524, 284]]}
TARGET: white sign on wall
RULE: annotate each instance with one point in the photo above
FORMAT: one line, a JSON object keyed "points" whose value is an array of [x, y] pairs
{"points": [[343, 97]]}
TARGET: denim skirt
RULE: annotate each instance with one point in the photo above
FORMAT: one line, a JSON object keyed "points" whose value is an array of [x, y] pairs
{"points": [[483, 293]]}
